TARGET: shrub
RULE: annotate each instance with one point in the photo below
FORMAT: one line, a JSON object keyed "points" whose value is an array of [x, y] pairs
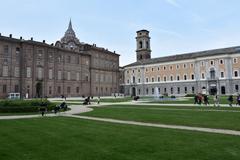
{"points": [[7, 106], [189, 95]]}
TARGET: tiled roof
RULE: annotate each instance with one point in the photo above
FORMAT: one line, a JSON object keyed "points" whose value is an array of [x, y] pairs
{"points": [[187, 56]]}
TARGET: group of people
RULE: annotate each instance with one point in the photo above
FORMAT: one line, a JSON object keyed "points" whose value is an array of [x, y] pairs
{"points": [[203, 99]]}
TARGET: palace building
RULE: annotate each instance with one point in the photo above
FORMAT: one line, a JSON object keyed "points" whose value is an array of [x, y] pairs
{"points": [[70, 68], [209, 72]]}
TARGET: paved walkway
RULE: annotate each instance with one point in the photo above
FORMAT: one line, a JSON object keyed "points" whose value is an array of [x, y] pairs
{"points": [[77, 109]]}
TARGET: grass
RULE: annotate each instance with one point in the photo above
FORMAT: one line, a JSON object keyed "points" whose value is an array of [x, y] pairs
{"points": [[67, 138], [193, 117]]}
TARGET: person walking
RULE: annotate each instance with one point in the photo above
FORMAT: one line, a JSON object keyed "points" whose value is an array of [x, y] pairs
{"points": [[98, 100], [230, 100], [195, 99], [206, 101], [216, 101]]}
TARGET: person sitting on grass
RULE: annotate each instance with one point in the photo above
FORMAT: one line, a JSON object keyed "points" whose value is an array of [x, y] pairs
{"points": [[230, 100]]}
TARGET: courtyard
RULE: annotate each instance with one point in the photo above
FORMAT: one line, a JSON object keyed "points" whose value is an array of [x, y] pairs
{"points": [[123, 129]]}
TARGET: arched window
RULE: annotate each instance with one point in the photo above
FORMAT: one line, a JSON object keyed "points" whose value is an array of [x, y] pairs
{"points": [[147, 44], [235, 73], [140, 44]]}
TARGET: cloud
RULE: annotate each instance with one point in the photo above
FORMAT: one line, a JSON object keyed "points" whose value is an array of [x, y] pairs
{"points": [[173, 3]]}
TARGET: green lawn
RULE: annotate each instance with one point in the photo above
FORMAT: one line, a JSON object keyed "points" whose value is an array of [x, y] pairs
{"points": [[74, 139], [169, 115]]}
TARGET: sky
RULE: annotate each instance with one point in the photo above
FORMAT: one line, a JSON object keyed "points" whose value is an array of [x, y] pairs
{"points": [[176, 26]]}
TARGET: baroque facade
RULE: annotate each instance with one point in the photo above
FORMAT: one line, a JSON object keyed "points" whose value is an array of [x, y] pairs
{"points": [[70, 68], [209, 72]]}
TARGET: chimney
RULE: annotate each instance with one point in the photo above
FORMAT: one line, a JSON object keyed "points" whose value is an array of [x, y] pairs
{"points": [[0, 34], [21, 38], [31, 38], [10, 35], [43, 41], [52, 44]]}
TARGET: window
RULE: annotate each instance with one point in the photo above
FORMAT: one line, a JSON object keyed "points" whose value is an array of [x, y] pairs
{"points": [[178, 78], [152, 69], [59, 89], [28, 72], [221, 61], [185, 90], [185, 77], [234, 60], [152, 90], [159, 89], [152, 79], [235, 73], [178, 90], [193, 77], [59, 75], [87, 79], [96, 89], [50, 90], [212, 73], [193, 90], [158, 69], [16, 73], [133, 71], [128, 81], [171, 90], [184, 66], [50, 74], [139, 91], [147, 80], [5, 49], [77, 90], [78, 77], [212, 62], [16, 88], [68, 59], [222, 74], [203, 76], [165, 78], [147, 91], [159, 79], [133, 79], [68, 90], [236, 88], [140, 44], [177, 66], [4, 88], [165, 90], [171, 78], [139, 80], [192, 65], [171, 68], [40, 73], [68, 76], [5, 71], [139, 71], [127, 72], [164, 68], [202, 64]]}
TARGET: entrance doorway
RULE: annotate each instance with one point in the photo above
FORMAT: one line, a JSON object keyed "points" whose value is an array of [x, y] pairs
{"points": [[133, 91], [213, 90], [39, 90]]}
